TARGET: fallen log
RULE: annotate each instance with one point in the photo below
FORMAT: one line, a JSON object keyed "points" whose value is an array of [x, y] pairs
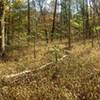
{"points": [[25, 77]]}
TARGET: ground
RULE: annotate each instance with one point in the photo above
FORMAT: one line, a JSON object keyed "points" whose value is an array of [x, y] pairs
{"points": [[76, 77]]}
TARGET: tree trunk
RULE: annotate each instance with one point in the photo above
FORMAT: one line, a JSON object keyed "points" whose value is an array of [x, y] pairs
{"points": [[83, 17], [28, 16], [3, 31], [54, 19], [2, 26], [69, 25]]}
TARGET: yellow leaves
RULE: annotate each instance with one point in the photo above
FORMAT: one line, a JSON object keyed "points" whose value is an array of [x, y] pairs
{"points": [[20, 1]]}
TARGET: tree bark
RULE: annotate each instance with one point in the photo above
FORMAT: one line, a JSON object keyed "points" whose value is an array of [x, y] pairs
{"points": [[2, 17], [29, 31], [3, 31], [69, 25], [54, 19]]}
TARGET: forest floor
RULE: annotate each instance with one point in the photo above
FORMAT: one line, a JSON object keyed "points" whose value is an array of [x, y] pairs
{"points": [[22, 58], [76, 77]]}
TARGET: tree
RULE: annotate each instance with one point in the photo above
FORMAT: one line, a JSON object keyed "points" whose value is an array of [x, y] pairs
{"points": [[28, 16], [2, 18], [54, 19], [69, 25]]}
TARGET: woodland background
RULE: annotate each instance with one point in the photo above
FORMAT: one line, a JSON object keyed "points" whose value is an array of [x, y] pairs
{"points": [[49, 49]]}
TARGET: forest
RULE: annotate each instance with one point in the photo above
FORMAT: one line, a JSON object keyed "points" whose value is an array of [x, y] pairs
{"points": [[49, 49]]}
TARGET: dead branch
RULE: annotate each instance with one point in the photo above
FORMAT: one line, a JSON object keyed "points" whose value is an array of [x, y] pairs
{"points": [[25, 77]]}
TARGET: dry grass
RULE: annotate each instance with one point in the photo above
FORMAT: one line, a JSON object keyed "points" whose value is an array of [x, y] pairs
{"points": [[77, 77]]}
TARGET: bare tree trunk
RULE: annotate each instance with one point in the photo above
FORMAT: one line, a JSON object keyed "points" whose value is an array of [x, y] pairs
{"points": [[0, 35], [88, 33], [69, 25], [3, 28], [3, 32], [83, 17], [54, 19], [9, 27], [94, 25], [28, 17]]}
